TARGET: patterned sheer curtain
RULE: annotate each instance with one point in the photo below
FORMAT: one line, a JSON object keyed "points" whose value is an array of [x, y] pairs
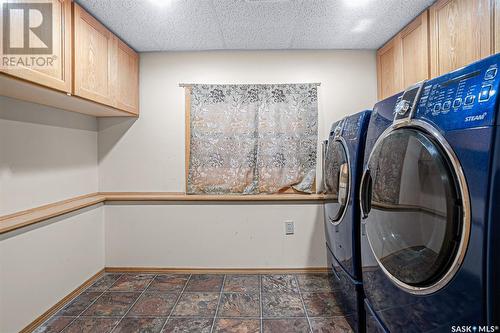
{"points": [[252, 138]]}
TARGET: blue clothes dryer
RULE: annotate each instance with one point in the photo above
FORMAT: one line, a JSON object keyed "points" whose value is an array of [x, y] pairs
{"points": [[342, 173], [430, 206]]}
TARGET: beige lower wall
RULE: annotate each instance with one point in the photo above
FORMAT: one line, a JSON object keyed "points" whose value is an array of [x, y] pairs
{"points": [[214, 236], [41, 266]]}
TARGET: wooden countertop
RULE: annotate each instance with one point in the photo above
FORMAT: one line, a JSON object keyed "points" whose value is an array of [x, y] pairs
{"points": [[32, 216]]}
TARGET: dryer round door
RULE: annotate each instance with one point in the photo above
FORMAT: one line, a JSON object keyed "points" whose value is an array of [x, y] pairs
{"points": [[416, 207], [337, 180]]}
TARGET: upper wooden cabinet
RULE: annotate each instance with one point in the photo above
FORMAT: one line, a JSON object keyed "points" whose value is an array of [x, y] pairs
{"points": [[404, 60], [94, 59], [460, 33], [497, 26], [55, 72], [449, 35], [127, 78], [106, 69], [415, 48], [389, 68], [93, 71]]}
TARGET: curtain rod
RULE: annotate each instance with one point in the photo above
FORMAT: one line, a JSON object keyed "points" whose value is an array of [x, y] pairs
{"points": [[187, 85]]}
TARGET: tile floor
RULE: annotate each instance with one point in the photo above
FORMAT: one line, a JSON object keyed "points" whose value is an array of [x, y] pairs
{"points": [[203, 303]]}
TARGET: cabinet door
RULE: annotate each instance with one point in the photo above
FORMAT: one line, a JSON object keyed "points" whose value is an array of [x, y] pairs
{"points": [[94, 53], [415, 45], [389, 68], [127, 83], [55, 70], [460, 33], [497, 26]]}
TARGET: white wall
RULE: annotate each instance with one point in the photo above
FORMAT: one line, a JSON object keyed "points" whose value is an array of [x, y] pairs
{"points": [[147, 154], [46, 155], [41, 266]]}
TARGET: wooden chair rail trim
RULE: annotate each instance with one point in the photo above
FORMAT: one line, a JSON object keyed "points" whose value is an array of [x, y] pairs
{"points": [[172, 196], [28, 217]]}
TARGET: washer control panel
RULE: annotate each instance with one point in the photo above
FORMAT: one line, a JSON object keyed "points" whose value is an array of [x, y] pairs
{"points": [[463, 98]]}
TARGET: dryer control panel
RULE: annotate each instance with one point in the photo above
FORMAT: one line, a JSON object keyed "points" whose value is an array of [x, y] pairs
{"points": [[464, 98]]}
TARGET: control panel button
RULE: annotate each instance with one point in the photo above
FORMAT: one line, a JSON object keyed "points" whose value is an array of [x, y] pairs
{"points": [[484, 94], [446, 105], [457, 103], [469, 100], [437, 107], [490, 74]]}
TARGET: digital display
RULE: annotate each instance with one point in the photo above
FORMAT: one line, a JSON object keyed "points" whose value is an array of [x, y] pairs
{"points": [[460, 78]]}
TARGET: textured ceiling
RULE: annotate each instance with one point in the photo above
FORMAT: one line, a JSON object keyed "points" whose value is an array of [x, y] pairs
{"points": [[171, 25]]}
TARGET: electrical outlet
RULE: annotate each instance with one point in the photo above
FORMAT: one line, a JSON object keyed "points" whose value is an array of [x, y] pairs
{"points": [[289, 227]]}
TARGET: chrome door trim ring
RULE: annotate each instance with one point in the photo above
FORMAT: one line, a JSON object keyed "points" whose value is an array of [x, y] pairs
{"points": [[344, 145], [464, 191]]}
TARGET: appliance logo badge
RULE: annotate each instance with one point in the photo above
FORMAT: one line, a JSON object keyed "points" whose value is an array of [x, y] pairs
{"points": [[27, 35], [474, 329], [476, 118], [402, 107]]}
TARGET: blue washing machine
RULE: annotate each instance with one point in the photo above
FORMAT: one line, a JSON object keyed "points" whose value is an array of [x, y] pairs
{"points": [[430, 204], [342, 171]]}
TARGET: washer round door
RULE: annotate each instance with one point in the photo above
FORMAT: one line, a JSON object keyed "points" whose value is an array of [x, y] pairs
{"points": [[415, 203], [337, 180]]}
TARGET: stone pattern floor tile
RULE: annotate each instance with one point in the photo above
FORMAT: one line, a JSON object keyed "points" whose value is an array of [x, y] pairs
{"points": [[282, 306], [92, 325], [205, 283], [170, 283], [153, 304], [239, 305], [296, 325], [54, 325], [204, 303], [237, 325], [197, 305], [242, 283], [111, 304], [188, 325], [283, 283], [140, 325], [334, 325], [132, 282]]}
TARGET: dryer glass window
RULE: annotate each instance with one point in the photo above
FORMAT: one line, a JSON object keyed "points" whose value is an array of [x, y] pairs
{"points": [[337, 180], [415, 222]]}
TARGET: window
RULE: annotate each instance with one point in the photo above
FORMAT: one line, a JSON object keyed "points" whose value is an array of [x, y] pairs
{"points": [[251, 139]]}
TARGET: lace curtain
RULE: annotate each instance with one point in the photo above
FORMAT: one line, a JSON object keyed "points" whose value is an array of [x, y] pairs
{"points": [[252, 138]]}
